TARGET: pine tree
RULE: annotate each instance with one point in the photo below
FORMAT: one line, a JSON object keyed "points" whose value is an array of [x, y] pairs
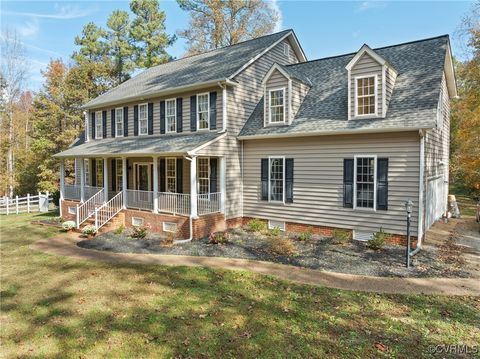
{"points": [[120, 47]]}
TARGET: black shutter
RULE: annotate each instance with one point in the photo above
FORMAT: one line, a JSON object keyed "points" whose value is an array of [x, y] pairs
{"points": [[162, 117], [213, 175], [289, 180], [150, 118], [128, 179], [92, 120], [193, 113], [179, 175], [179, 114], [114, 174], [125, 121], [213, 110], [348, 182], [113, 122], [135, 120], [104, 124], [162, 175], [264, 179], [94, 172], [382, 184]]}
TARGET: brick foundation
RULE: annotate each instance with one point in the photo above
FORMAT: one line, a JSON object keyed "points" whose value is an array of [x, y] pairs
{"points": [[65, 215], [204, 225], [156, 222]]}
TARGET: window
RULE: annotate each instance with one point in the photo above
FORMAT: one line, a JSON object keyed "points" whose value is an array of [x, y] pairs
{"points": [[366, 96], [98, 125], [276, 224], [86, 170], [203, 175], [119, 174], [119, 122], [171, 115], [203, 111], [72, 210], [365, 179], [169, 227], [142, 120], [171, 174], [277, 107], [99, 172], [276, 177], [137, 221]]}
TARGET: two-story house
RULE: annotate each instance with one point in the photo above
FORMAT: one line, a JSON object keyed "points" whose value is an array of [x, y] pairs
{"points": [[254, 130]]}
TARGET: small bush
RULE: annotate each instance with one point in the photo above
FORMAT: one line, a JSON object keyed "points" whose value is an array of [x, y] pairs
{"points": [[219, 238], [140, 232], [56, 198], [306, 235], [274, 232], [119, 230], [256, 225], [68, 225], [378, 240], [341, 236], [282, 246], [168, 241], [89, 230]]}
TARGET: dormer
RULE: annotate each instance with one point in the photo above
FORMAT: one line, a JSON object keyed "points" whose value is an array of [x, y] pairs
{"points": [[283, 95], [370, 84]]}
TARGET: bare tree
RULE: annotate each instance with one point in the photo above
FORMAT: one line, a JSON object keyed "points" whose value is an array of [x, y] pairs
{"points": [[218, 23]]}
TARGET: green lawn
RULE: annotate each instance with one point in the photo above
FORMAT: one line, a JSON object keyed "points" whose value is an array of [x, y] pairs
{"points": [[60, 307]]}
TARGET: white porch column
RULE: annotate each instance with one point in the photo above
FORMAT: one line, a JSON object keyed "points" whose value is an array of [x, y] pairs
{"points": [[223, 181], [193, 187], [155, 184], [105, 180], [124, 181], [62, 184], [82, 180]]}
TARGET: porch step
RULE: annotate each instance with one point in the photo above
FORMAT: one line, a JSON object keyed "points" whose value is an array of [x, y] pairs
{"points": [[112, 224]]}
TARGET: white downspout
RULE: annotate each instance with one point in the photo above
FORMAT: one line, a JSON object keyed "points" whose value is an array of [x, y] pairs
{"points": [[420, 194], [190, 219]]}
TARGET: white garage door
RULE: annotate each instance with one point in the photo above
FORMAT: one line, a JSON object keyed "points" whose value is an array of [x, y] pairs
{"points": [[436, 200]]}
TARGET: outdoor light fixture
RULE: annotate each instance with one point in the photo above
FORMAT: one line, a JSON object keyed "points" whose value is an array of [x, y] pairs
{"points": [[408, 208]]}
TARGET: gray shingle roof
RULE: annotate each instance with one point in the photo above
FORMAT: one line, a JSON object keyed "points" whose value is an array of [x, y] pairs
{"points": [[139, 145], [413, 104], [210, 66]]}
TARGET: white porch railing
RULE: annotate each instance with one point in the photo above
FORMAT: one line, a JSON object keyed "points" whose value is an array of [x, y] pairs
{"points": [[71, 192], [108, 210], [87, 208], [175, 203], [209, 203], [139, 199]]}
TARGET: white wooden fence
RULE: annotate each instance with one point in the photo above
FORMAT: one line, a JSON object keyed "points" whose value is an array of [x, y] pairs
{"points": [[27, 204]]}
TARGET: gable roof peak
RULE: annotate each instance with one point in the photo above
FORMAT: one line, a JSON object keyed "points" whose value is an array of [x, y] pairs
{"points": [[368, 50]]}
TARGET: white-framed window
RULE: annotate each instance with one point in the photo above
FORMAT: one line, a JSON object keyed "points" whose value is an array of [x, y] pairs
{"points": [[365, 182], [366, 95], [143, 119], [171, 115], [137, 221], [119, 122], [99, 172], [276, 113], [118, 174], [72, 210], [203, 165], [171, 174], [86, 170], [98, 125], [169, 227], [276, 224], [276, 179], [203, 111]]}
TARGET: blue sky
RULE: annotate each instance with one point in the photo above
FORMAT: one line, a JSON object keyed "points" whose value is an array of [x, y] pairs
{"points": [[47, 28]]}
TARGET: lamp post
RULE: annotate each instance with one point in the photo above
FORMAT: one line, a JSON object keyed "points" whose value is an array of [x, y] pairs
{"points": [[408, 208]]}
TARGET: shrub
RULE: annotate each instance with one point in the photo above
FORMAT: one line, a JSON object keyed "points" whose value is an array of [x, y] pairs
{"points": [[68, 225], [256, 225], [89, 230], [282, 246], [274, 232], [119, 229], [140, 232], [341, 236], [56, 198], [306, 235], [377, 241], [219, 237], [168, 241]]}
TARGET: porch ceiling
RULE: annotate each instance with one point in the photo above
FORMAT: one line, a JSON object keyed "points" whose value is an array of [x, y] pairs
{"points": [[140, 145]]}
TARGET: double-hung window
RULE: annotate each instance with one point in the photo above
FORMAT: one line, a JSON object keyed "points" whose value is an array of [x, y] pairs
{"points": [[119, 122], [203, 111], [171, 174], [98, 125], [203, 175], [142, 119], [366, 96], [171, 115], [119, 174], [365, 182], [277, 106], [86, 170], [276, 179]]}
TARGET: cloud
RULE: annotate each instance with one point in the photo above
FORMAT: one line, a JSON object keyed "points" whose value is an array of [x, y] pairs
{"points": [[368, 5], [279, 24], [64, 12], [29, 30]]}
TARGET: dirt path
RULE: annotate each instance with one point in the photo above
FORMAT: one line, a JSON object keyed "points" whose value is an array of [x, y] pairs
{"points": [[65, 245]]}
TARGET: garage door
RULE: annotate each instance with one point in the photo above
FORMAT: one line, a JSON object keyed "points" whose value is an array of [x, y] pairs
{"points": [[436, 200]]}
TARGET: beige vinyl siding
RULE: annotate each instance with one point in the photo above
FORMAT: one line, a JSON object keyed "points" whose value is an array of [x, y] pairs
{"points": [[299, 91], [366, 66], [318, 180], [390, 77]]}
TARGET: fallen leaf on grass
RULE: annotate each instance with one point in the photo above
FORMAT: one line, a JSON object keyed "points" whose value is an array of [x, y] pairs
{"points": [[380, 346]]}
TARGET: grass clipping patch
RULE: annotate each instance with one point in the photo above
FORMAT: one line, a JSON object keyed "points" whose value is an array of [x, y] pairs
{"points": [[282, 246]]}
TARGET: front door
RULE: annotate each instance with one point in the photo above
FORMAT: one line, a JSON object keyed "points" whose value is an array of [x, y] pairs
{"points": [[143, 177]]}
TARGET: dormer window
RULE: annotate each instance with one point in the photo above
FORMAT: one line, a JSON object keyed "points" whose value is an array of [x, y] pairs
{"points": [[277, 106], [366, 95]]}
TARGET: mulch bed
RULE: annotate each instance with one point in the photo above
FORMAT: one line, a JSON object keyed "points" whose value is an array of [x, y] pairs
{"points": [[317, 253]]}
